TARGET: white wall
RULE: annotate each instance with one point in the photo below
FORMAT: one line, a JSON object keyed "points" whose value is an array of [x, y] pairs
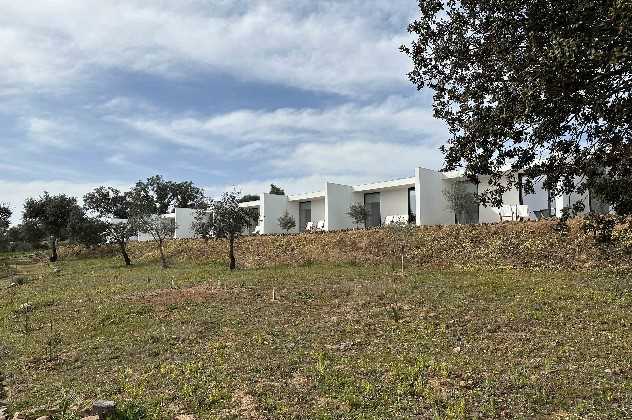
{"points": [[272, 207], [510, 197], [184, 223], [292, 209], [432, 208], [393, 203], [318, 210], [538, 200], [338, 199]]}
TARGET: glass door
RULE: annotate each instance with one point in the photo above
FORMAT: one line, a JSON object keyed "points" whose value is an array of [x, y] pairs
{"points": [[372, 204], [304, 215]]}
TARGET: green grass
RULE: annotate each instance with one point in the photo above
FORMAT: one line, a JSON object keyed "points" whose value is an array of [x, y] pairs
{"points": [[339, 342]]}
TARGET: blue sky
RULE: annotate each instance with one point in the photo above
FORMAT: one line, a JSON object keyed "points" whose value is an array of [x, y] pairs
{"points": [[223, 93]]}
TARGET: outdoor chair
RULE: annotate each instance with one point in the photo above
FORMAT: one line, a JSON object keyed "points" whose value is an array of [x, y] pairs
{"points": [[309, 226], [506, 213], [321, 225], [522, 212]]}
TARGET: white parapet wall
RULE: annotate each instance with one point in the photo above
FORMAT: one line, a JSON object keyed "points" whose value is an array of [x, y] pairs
{"points": [[272, 207], [338, 200], [432, 207]]}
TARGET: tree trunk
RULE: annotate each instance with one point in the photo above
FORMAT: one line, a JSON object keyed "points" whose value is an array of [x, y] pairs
{"points": [[54, 257], [124, 253], [163, 260], [231, 251]]}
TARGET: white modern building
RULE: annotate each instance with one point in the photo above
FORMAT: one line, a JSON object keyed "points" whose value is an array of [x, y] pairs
{"points": [[419, 199]]}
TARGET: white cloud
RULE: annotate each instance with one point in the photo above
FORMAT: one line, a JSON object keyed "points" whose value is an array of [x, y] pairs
{"points": [[361, 158], [344, 47], [238, 133], [48, 132]]}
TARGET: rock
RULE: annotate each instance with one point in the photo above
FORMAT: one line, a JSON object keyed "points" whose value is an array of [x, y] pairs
{"points": [[19, 416], [90, 418], [103, 408]]}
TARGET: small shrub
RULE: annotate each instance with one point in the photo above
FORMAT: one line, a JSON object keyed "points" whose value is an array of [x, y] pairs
{"points": [[600, 226]]}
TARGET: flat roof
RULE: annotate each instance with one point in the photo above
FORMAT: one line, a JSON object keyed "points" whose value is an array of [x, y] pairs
{"points": [[255, 203], [383, 185], [306, 196]]}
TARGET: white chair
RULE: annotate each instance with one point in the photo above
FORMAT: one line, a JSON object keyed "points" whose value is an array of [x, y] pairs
{"points": [[506, 213], [321, 225], [309, 226], [257, 230], [522, 212], [388, 220]]}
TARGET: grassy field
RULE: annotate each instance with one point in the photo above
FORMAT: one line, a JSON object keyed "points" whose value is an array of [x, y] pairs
{"points": [[337, 342]]}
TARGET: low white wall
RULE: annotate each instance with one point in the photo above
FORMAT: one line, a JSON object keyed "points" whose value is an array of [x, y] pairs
{"points": [[184, 223], [432, 208], [338, 199]]}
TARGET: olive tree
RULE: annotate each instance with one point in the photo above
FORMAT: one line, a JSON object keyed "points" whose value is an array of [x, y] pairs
{"points": [[461, 202], [5, 219], [287, 222], [359, 213], [112, 206], [52, 215], [225, 219]]}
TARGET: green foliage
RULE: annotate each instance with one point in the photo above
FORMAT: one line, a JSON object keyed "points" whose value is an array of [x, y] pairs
{"points": [[541, 87], [109, 203], [225, 219], [88, 231], [249, 197], [5, 217], [287, 221], [276, 190], [158, 196], [52, 215], [600, 226], [359, 213]]}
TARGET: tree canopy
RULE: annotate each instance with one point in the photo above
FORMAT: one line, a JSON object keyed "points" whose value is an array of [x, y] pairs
{"points": [[157, 196], [109, 203], [5, 217], [537, 86], [52, 215], [276, 190], [225, 219]]}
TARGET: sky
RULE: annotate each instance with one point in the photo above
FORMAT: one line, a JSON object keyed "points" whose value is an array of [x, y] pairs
{"points": [[227, 94]]}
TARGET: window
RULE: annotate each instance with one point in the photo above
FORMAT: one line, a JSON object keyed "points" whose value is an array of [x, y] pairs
{"points": [[255, 220], [412, 205], [372, 204], [304, 215]]}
